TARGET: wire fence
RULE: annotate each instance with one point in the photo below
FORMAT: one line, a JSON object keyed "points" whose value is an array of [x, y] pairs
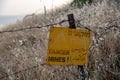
{"points": [[37, 26], [98, 35]]}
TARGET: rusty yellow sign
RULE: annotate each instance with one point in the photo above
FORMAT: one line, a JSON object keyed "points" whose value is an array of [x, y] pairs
{"points": [[68, 46]]}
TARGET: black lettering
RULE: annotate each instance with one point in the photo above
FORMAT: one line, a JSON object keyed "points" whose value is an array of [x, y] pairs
{"points": [[82, 34], [61, 52], [56, 59]]}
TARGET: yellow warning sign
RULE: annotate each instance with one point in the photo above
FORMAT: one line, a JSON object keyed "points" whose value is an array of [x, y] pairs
{"points": [[68, 46]]}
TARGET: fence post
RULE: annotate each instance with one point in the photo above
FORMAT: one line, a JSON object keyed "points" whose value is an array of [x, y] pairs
{"points": [[73, 26], [71, 21]]}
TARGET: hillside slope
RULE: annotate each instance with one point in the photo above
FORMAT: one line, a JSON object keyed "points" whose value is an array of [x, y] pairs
{"points": [[23, 53]]}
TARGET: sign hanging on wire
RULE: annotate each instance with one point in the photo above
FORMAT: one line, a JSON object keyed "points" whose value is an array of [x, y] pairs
{"points": [[68, 46]]}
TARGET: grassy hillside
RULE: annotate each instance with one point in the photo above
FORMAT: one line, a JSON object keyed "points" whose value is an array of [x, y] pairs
{"points": [[23, 53]]}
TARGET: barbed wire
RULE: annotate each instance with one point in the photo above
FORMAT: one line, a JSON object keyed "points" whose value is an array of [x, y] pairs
{"points": [[36, 26], [33, 67], [39, 26], [17, 72], [76, 21], [22, 29]]}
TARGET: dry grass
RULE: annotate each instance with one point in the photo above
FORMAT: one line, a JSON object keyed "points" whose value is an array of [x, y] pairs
{"points": [[25, 49]]}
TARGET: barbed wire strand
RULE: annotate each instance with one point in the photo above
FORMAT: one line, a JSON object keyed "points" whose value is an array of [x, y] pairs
{"points": [[17, 72], [37, 26], [35, 66]]}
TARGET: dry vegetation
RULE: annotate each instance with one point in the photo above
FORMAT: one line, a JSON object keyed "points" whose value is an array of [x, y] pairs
{"points": [[23, 53]]}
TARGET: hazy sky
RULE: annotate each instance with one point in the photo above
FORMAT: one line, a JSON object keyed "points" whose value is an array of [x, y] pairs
{"points": [[22, 7], [11, 10]]}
